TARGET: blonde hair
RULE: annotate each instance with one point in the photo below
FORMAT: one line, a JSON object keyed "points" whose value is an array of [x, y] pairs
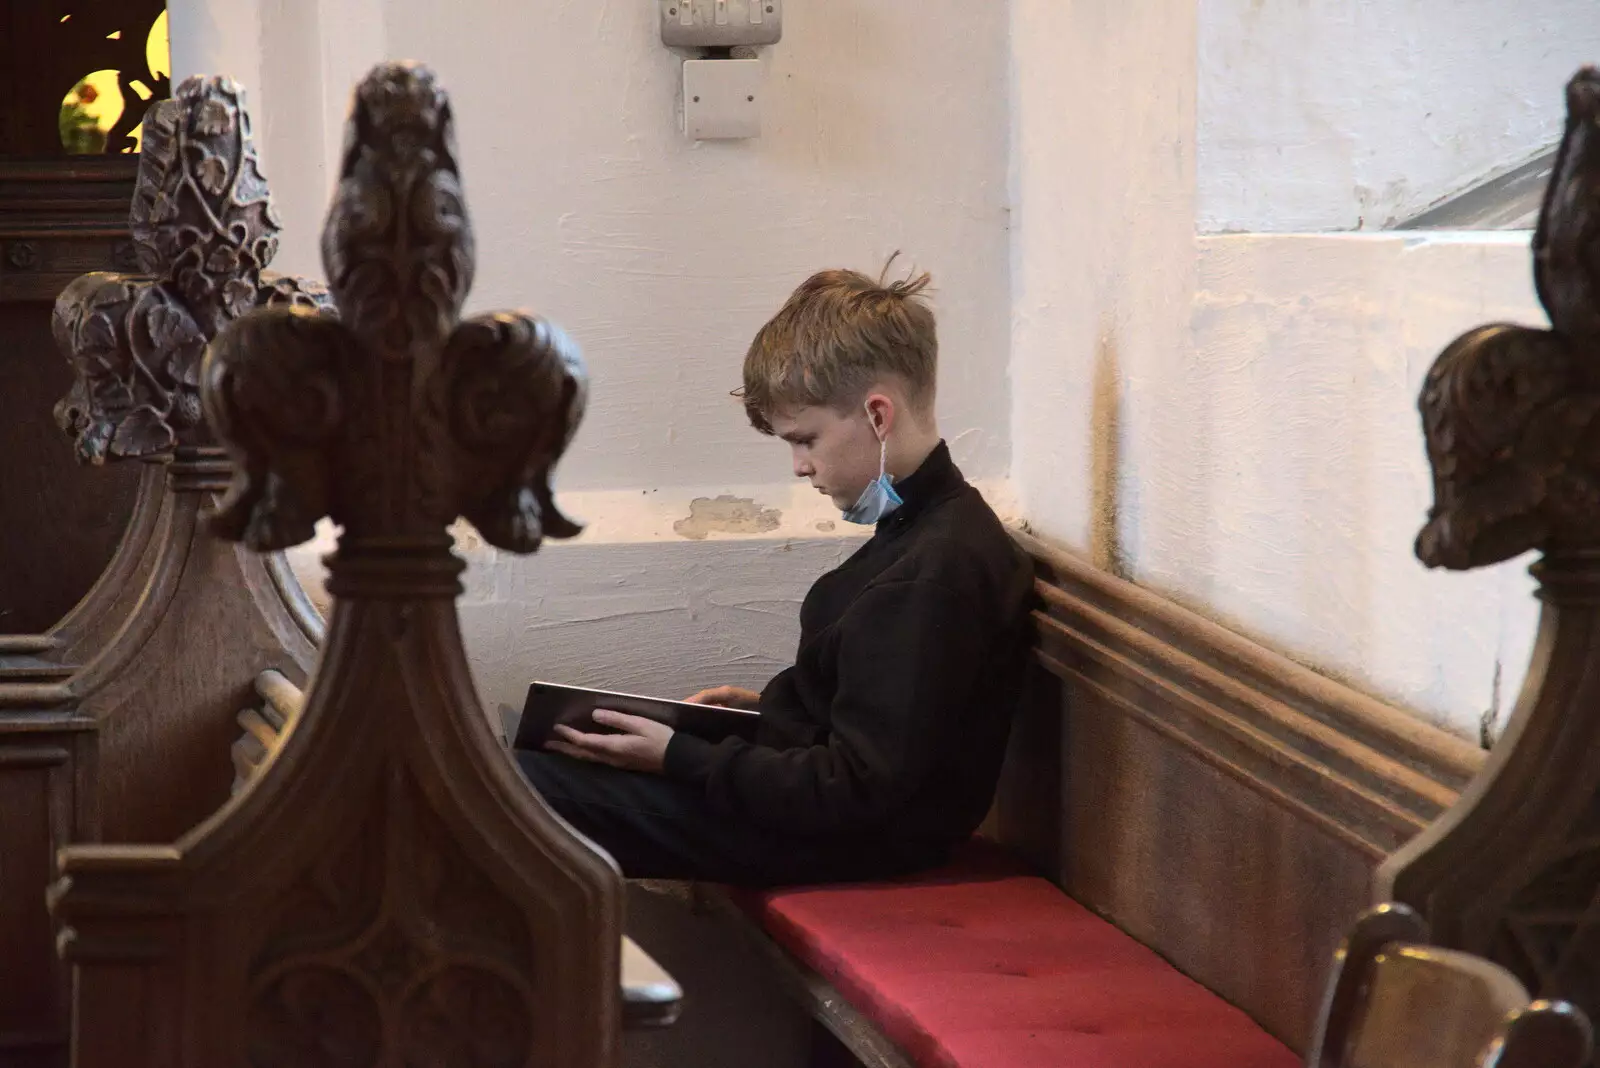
{"points": [[835, 336]]}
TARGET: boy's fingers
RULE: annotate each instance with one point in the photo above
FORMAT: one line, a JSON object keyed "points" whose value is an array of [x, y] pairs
{"points": [[565, 749], [591, 744], [714, 695], [620, 720]]}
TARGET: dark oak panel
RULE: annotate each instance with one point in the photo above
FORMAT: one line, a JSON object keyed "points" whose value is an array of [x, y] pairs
{"points": [[47, 800], [385, 887], [1222, 804]]}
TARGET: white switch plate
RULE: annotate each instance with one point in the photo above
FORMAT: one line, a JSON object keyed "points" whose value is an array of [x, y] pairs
{"points": [[720, 23], [722, 98]]}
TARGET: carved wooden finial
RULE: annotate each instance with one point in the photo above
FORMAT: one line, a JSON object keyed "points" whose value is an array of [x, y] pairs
{"points": [[204, 231], [1512, 421], [1512, 414], [385, 889], [158, 673], [399, 418]]}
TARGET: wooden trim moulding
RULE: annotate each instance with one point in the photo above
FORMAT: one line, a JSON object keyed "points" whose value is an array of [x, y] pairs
{"points": [[1368, 773]]}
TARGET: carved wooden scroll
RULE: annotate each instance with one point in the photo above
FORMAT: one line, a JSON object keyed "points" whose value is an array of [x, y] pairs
{"points": [[172, 638], [386, 890], [1512, 421]]}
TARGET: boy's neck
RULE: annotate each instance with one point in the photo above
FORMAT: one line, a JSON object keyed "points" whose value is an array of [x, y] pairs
{"points": [[910, 451]]}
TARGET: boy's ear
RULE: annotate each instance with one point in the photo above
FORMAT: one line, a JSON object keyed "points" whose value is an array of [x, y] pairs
{"points": [[881, 412]]}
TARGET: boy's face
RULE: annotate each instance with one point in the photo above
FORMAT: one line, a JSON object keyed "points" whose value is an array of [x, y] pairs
{"points": [[838, 453]]}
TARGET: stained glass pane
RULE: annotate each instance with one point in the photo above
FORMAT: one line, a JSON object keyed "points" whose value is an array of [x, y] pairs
{"points": [[103, 110]]}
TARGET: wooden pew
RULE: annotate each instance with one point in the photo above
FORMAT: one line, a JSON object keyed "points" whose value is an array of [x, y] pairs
{"points": [[1149, 729], [206, 618], [1234, 811], [1511, 416], [650, 997], [60, 215], [385, 888], [1145, 729], [116, 722], [47, 799], [1395, 1000], [58, 218]]}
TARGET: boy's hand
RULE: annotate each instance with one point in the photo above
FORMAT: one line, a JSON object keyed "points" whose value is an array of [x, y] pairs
{"points": [[642, 746], [726, 696]]}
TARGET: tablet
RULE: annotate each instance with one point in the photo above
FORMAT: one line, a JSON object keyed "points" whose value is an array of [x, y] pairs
{"points": [[549, 703]]}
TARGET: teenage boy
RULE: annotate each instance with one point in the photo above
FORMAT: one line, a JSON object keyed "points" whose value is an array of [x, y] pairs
{"points": [[880, 748]]}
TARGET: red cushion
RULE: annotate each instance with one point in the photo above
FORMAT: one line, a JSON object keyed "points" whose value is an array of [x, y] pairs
{"points": [[980, 965]]}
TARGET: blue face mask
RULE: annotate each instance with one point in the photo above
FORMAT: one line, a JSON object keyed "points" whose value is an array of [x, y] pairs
{"points": [[879, 498]]}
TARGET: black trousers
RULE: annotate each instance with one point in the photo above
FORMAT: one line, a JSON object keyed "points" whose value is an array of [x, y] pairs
{"points": [[657, 828]]}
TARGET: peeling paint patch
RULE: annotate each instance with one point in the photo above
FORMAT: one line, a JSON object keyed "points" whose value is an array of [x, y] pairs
{"points": [[825, 525], [467, 538], [726, 515]]}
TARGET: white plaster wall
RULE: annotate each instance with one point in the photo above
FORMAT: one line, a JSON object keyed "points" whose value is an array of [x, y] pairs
{"points": [[885, 127], [665, 617], [643, 601], [1271, 473], [1226, 419], [1103, 246], [1231, 420], [1347, 114], [1291, 478]]}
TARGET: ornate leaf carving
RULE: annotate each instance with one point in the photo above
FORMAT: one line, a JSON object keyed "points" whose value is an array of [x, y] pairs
{"points": [[212, 174], [279, 411], [212, 119], [1511, 414], [517, 393], [143, 432], [280, 289], [202, 226], [431, 911], [472, 416], [1566, 244]]}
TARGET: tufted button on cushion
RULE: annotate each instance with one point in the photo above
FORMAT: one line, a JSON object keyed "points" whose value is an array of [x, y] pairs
{"points": [[982, 965]]}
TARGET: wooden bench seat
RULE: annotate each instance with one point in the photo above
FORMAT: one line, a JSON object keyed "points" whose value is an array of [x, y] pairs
{"points": [[984, 964], [1186, 825]]}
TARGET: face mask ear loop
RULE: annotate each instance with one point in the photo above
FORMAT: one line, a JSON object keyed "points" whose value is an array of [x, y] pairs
{"points": [[883, 443]]}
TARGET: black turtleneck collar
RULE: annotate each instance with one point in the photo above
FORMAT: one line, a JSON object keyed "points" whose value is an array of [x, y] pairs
{"points": [[937, 478]]}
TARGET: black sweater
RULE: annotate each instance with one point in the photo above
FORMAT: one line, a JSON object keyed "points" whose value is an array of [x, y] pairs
{"points": [[893, 719]]}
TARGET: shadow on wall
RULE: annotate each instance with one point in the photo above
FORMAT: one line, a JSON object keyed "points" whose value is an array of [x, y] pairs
{"points": [[1106, 550]]}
